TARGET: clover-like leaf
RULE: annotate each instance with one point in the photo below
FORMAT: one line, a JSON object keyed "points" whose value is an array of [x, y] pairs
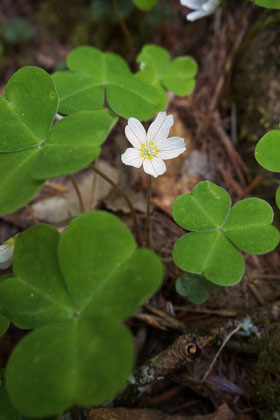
{"points": [[179, 76], [267, 152], [7, 410], [269, 4], [210, 254], [4, 325], [249, 226], [145, 4], [194, 287], [157, 70], [208, 206], [35, 295], [212, 249], [277, 197], [92, 75], [75, 289], [30, 149], [190, 285]]}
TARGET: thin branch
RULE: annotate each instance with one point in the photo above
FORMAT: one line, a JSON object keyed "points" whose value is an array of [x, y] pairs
{"points": [[220, 350]]}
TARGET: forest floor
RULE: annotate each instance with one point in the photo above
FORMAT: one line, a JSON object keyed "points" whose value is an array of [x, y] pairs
{"points": [[243, 383]]}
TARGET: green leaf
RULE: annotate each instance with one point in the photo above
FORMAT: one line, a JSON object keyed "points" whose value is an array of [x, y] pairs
{"points": [[190, 286], [80, 361], [277, 197], [269, 4], [17, 184], [93, 74], [28, 110], [156, 69], [75, 289], [4, 325], [210, 254], [30, 149], [145, 4], [205, 208], [73, 143], [212, 249], [107, 260], [77, 92], [249, 226], [267, 152], [179, 76], [154, 57], [7, 411], [37, 294]]}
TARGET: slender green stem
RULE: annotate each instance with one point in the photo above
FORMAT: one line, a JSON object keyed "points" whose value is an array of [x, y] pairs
{"points": [[78, 192], [148, 219], [126, 198], [93, 188], [125, 29]]}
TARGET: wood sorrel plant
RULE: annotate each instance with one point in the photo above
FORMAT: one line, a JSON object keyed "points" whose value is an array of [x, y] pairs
{"points": [[74, 290], [267, 154], [218, 231]]}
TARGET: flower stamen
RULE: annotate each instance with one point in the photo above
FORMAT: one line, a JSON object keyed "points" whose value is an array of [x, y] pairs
{"points": [[149, 150]]}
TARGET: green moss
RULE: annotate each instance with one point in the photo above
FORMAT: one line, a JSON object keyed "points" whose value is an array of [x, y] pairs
{"points": [[266, 385]]}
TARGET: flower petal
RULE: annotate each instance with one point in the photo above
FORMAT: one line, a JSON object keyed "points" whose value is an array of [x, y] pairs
{"points": [[192, 4], [171, 148], [159, 129], [154, 166], [135, 133], [210, 6], [132, 157], [197, 15], [6, 256]]}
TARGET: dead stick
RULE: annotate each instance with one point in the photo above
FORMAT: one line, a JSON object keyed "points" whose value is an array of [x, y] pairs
{"points": [[184, 350]]}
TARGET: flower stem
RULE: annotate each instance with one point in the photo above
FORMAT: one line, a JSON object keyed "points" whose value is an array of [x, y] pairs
{"points": [[125, 29], [126, 198], [148, 221], [78, 192], [93, 188]]}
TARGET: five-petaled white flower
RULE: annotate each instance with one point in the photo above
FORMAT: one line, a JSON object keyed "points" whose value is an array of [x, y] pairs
{"points": [[151, 148], [201, 8], [6, 253]]}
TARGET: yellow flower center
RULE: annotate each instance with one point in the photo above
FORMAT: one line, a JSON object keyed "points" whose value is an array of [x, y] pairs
{"points": [[149, 150]]}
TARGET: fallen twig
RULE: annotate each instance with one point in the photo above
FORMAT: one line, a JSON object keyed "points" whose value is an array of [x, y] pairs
{"points": [[184, 350]]}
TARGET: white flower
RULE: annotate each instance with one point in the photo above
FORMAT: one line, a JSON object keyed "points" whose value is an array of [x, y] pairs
{"points": [[202, 8], [152, 148], [6, 253]]}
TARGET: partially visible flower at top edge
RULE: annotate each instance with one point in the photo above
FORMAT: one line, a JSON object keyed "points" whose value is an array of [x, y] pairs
{"points": [[151, 148], [6, 253], [201, 8]]}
